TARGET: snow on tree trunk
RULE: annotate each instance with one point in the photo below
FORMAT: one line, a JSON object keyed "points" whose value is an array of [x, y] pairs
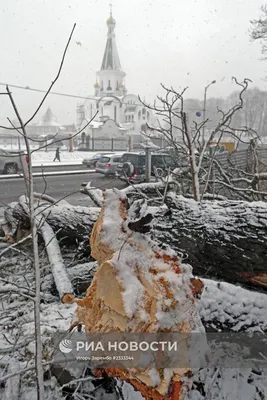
{"points": [[222, 239], [138, 287], [60, 275], [62, 281], [73, 223]]}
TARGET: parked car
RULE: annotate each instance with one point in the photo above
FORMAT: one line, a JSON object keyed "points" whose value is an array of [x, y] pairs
{"points": [[92, 160], [132, 165], [11, 163], [108, 164]]}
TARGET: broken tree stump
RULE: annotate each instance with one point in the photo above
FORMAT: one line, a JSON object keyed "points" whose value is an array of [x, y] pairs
{"points": [[138, 287]]}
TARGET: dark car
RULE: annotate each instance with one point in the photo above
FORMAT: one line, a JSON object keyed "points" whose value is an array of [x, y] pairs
{"points": [[92, 160], [132, 165]]}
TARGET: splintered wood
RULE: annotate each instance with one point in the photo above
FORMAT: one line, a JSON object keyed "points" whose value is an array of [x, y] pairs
{"points": [[138, 287]]}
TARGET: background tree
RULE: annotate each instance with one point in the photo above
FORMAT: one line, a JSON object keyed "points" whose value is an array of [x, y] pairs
{"points": [[259, 30], [192, 140], [253, 113]]}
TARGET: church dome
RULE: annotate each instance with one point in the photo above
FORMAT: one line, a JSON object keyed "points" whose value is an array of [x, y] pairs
{"points": [[111, 21]]}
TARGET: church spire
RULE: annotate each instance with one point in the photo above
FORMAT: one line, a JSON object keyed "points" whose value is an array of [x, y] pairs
{"points": [[111, 56], [111, 76]]}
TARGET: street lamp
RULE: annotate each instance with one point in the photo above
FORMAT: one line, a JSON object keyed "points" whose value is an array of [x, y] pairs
{"points": [[204, 110]]}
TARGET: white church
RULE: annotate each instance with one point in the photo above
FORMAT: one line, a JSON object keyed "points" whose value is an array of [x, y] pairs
{"points": [[120, 114]]}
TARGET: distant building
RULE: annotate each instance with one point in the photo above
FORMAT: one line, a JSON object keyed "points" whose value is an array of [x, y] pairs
{"points": [[46, 131], [119, 113], [48, 125]]}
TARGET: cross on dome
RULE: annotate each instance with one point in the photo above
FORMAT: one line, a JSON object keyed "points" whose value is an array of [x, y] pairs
{"points": [[111, 20]]}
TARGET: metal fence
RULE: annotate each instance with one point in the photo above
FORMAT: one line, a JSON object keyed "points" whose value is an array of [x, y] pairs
{"points": [[245, 159], [236, 164], [112, 144], [14, 143]]}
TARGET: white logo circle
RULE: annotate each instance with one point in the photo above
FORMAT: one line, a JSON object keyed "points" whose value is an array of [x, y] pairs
{"points": [[65, 346]]}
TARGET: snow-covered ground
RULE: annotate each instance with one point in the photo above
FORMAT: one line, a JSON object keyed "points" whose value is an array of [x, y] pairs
{"points": [[74, 158], [41, 156], [223, 307], [220, 301]]}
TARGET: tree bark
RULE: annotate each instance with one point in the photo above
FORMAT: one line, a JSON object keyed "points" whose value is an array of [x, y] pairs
{"points": [[222, 239], [73, 223], [62, 281]]}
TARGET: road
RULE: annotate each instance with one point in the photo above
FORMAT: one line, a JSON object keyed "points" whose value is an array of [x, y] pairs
{"points": [[57, 187]]}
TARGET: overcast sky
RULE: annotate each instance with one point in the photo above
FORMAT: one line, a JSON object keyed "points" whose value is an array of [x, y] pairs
{"points": [[179, 43]]}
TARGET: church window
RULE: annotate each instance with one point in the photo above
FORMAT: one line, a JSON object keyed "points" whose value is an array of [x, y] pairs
{"points": [[143, 127], [139, 114], [148, 116], [83, 137], [109, 87]]}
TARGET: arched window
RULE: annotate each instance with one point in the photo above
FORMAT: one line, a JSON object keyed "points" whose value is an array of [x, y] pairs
{"points": [[144, 111], [144, 128], [83, 137], [148, 116], [139, 114]]}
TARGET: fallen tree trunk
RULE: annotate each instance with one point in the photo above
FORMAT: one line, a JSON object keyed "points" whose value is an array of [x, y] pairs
{"points": [[60, 275], [62, 281], [73, 223], [222, 239]]}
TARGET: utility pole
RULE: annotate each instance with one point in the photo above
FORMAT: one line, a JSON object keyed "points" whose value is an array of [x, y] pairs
{"points": [[148, 164], [204, 110], [70, 143]]}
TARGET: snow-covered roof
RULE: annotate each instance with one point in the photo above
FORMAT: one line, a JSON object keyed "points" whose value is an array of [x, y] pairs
{"points": [[96, 124], [48, 119]]}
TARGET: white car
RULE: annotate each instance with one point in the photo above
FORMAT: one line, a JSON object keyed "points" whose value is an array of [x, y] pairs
{"points": [[92, 160], [11, 163], [108, 164]]}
